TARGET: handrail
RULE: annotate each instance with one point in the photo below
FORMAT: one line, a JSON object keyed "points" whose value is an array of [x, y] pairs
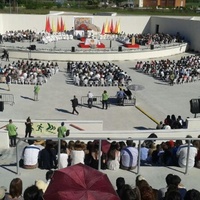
{"points": [[104, 138], [7, 98], [97, 100]]}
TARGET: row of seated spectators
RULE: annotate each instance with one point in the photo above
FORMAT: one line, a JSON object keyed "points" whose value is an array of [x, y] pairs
{"points": [[30, 35], [172, 122], [141, 189], [29, 72], [97, 74], [145, 39], [113, 154], [186, 69]]}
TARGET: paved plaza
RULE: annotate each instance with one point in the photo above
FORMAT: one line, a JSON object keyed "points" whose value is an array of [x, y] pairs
{"points": [[157, 99]]}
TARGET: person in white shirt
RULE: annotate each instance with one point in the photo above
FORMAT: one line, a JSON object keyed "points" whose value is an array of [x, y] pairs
{"points": [[182, 154], [30, 155], [63, 159], [77, 155], [90, 99]]}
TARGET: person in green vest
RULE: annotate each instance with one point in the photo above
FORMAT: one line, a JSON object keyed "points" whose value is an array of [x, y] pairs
{"points": [[36, 92], [105, 99], [12, 133], [62, 130]]}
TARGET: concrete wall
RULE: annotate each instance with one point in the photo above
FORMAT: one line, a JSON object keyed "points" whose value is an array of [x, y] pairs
{"points": [[128, 24], [102, 55], [4, 139], [49, 128], [187, 27]]}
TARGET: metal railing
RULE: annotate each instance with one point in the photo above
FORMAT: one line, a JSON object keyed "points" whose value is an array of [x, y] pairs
{"points": [[97, 101], [115, 137], [7, 98]]}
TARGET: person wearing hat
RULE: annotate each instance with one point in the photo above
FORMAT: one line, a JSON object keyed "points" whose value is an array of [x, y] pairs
{"points": [[62, 130]]}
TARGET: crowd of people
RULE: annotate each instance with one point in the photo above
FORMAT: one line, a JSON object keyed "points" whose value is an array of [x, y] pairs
{"points": [[28, 72], [30, 35], [113, 156], [142, 190], [97, 74], [146, 39], [172, 122], [184, 70]]}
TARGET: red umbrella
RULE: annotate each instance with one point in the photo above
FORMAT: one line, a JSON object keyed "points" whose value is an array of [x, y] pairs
{"points": [[80, 182]]}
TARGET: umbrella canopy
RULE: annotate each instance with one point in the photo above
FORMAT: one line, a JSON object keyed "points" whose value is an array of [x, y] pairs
{"points": [[105, 145], [135, 87], [80, 182]]}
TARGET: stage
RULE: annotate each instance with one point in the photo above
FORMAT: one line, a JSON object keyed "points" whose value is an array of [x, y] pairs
{"points": [[69, 50]]}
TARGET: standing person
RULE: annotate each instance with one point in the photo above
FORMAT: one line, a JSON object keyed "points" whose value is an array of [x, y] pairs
{"points": [[105, 99], [62, 130], [8, 81], [74, 105], [28, 129], [36, 92], [12, 132], [90, 99]]}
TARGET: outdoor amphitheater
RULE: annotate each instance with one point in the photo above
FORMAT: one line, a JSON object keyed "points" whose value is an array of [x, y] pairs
{"points": [[154, 98]]}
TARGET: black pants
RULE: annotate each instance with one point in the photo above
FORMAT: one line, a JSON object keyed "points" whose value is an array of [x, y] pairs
{"points": [[90, 101], [13, 140], [28, 133], [105, 103], [74, 110]]}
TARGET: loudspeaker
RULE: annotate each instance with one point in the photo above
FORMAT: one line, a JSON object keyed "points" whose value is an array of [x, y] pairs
{"points": [[120, 48], [1, 106], [194, 106], [33, 47], [73, 49], [151, 46]]}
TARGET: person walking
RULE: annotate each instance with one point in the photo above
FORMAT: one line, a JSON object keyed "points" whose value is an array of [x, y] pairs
{"points": [[12, 132], [105, 99], [61, 130], [36, 92], [90, 99], [74, 105], [8, 81], [28, 129]]}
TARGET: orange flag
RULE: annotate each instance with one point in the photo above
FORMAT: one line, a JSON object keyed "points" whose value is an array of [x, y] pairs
{"points": [[116, 28], [58, 26], [108, 28], [62, 26]]}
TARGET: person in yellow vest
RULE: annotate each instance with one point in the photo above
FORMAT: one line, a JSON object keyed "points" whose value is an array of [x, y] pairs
{"points": [[36, 92], [105, 99], [62, 130], [12, 133]]}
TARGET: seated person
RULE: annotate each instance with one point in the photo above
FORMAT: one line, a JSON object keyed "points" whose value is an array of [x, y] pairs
{"points": [[129, 156], [30, 155], [47, 156], [128, 93]]}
